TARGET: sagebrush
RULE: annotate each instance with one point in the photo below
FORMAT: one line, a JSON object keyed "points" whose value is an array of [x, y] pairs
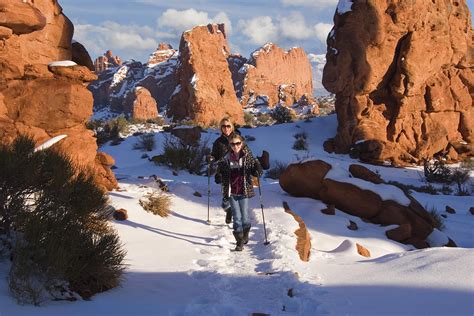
{"points": [[181, 156], [108, 130], [282, 114], [437, 218], [275, 172], [146, 142]]}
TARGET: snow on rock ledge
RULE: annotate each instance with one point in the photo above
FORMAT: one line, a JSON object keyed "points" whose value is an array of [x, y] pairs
{"points": [[378, 203], [62, 63]]}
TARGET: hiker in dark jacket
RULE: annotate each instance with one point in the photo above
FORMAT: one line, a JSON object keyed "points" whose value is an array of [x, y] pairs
{"points": [[221, 145], [219, 150], [237, 168]]}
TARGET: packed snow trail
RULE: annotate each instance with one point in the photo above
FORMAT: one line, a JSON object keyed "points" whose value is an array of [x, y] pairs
{"points": [[244, 282]]}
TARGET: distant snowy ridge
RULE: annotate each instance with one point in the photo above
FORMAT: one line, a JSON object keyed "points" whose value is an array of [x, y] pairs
{"points": [[318, 61]]}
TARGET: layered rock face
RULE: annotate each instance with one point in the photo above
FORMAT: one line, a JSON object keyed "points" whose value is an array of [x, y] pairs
{"points": [[402, 72], [116, 87], [365, 197], [275, 75], [45, 101], [205, 92]]}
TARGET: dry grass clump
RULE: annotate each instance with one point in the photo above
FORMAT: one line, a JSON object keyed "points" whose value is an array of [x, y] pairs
{"points": [[158, 203]]}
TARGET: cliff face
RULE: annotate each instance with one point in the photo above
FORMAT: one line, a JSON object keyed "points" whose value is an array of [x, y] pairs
{"points": [[42, 99], [205, 92], [402, 72], [275, 75]]}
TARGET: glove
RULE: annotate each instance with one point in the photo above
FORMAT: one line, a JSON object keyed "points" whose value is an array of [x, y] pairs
{"points": [[218, 178], [225, 203], [209, 159]]}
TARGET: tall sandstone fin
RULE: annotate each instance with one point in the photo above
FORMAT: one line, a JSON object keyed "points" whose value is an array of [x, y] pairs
{"points": [[205, 91]]}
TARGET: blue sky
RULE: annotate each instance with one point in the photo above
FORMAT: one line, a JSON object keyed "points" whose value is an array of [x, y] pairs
{"points": [[133, 28]]}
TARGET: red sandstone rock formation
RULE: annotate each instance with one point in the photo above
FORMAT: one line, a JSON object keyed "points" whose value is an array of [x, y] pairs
{"points": [[163, 53], [205, 93], [141, 105], [276, 75], [108, 60], [46, 101], [403, 77], [313, 179]]}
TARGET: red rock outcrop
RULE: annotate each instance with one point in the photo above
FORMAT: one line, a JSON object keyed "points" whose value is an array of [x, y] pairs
{"points": [[46, 101], [162, 53], [205, 93], [108, 60], [141, 105], [316, 179], [402, 72], [275, 75]]}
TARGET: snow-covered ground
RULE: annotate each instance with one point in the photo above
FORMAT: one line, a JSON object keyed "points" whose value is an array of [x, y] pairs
{"points": [[181, 265]]}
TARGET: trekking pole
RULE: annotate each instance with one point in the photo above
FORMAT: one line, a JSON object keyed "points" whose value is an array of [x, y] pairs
{"points": [[263, 214], [208, 189], [209, 159]]}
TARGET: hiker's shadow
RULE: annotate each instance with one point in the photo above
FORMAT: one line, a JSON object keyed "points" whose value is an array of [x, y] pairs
{"points": [[185, 237]]}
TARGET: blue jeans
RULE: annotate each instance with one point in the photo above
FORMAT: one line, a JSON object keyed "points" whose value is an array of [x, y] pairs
{"points": [[240, 212]]}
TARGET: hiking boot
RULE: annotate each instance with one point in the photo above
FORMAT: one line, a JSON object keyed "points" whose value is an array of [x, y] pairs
{"points": [[228, 216], [245, 237], [239, 240]]}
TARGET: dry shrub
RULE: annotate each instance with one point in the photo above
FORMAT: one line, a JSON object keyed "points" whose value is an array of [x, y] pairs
{"points": [[278, 168], [180, 156], [146, 142], [282, 114], [158, 203], [438, 220]]}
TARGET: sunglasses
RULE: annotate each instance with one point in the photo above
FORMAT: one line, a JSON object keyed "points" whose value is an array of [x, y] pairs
{"points": [[226, 126], [236, 144]]}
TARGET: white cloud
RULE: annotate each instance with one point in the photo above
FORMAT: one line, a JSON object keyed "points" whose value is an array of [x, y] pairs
{"points": [[290, 28], [311, 3], [294, 27], [222, 17], [180, 21], [322, 30], [111, 35], [259, 30]]}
